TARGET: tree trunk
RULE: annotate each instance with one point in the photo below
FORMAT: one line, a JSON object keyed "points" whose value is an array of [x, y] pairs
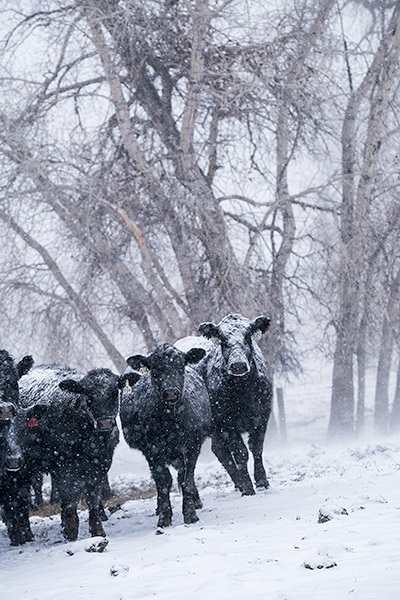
{"points": [[361, 369], [395, 414], [381, 416]]}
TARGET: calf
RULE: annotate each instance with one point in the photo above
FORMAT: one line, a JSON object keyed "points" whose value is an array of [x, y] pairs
{"points": [[240, 394], [72, 434], [167, 417], [14, 476]]}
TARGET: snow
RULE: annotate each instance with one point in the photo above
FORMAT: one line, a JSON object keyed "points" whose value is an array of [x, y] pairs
{"points": [[328, 528]]}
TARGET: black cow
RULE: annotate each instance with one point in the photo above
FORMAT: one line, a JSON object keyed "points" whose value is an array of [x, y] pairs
{"points": [[167, 417], [240, 394], [14, 476], [10, 373], [71, 434]]}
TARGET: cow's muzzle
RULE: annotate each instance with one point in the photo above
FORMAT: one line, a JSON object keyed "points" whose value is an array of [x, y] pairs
{"points": [[239, 368], [171, 395], [105, 423], [7, 411], [13, 463]]}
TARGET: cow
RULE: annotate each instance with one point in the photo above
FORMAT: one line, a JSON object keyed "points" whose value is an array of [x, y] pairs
{"points": [[71, 434], [167, 416], [10, 373], [240, 393], [14, 476]]}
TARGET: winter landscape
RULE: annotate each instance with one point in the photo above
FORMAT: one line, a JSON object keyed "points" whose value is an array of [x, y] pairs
{"points": [[328, 527], [166, 165]]}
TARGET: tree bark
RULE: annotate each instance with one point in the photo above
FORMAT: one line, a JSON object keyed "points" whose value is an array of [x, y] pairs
{"points": [[395, 412], [381, 414]]}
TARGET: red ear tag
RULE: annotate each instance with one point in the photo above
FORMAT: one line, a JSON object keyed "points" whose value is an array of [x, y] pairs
{"points": [[33, 422]]}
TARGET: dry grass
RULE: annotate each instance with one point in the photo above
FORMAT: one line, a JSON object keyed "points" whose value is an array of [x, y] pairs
{"points": [[113, 504]]}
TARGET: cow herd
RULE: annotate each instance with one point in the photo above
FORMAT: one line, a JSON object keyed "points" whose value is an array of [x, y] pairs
{"points": [[59, 421]]}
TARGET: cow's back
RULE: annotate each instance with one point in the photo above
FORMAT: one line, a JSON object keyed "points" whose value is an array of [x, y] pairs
{"points": [[41, 385]]}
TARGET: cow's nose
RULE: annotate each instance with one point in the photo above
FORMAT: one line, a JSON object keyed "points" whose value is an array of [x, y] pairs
{"points": [[7, 411], [239, 368], [106, 423], [13, 463], [171, 394]]}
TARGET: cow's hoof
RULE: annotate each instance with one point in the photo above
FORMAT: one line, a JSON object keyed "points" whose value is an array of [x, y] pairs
{"points": [[70, 536], [262, 485], [29, 536], [97, 532], [17, 542], [191, 518], [248, 492], [21, 538], [164, 520]]}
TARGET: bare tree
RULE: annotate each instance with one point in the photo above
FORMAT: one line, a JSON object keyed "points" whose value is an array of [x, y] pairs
{"points": [[357, 183], [141, 198]]}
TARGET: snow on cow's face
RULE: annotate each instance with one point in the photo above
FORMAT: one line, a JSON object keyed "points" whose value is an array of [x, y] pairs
{"points": [[235, 334], [97, 396], [167, 370]]}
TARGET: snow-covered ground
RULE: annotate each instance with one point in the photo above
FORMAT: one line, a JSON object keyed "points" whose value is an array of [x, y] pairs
{"points": [[328, 528]]}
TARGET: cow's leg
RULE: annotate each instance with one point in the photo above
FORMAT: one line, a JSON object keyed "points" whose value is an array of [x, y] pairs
{"points": [[163, 481], [256, 443], [37, 484], [189, 490], [102, 512], [15, 513], [106, 491], [69, 519], [69, 492], [241, 457], [196, 496], [93, 493], [54, 495], [106, 494], [221, 450], [22, 509]]}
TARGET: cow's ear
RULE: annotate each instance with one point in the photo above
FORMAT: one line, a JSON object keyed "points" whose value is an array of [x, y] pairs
{"points": [[36, 411], [24, 365], [209, 330], [131, 378], [138, 360], [70, 385], [194, 355], [260, 324]]}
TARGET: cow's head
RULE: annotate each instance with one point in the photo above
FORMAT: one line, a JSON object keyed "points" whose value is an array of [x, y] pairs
{"points": [[96, 395], [10, 373], [11, 459], [167, 369], [235, 335]]}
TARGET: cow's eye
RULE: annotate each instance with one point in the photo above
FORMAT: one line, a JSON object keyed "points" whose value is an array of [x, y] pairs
{"points": [[223, 342]]}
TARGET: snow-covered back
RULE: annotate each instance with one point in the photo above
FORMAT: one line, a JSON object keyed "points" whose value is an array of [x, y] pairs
{"points": [[194, 341]]}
